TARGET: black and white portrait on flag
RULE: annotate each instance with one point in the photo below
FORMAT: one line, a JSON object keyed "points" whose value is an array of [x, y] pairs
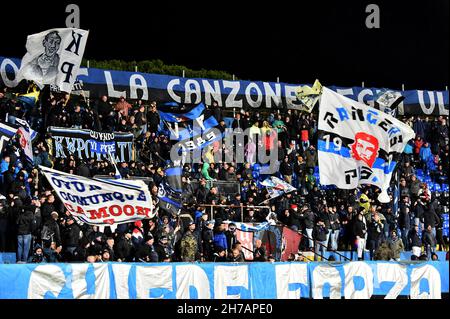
{"points": [[53, 57]]}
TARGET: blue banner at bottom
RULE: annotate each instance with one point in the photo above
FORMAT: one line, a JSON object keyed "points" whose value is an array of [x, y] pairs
{"points": [[288, 280]]}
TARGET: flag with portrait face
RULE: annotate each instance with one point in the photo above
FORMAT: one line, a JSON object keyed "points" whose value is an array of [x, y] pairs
{"points": [[358, 144], [53, 57]]}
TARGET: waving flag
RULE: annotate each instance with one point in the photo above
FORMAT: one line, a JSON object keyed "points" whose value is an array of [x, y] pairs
{"points": [[53, 57], [173, 177], [7, 131], [250, 227], [25, 125], [191, 130], [358, 144], [182, 117], [277, 187], [169, 199], [29, 99], [308, 96], [25, 143], [101, 202]]}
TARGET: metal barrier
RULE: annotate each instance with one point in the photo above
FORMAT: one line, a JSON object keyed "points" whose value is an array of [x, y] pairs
{"points": [[241, 207], [225, 188]]}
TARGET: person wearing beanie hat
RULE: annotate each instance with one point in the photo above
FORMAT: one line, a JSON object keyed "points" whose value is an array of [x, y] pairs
{"points": [[163, 249], [137, 236], [320, 236], [38, 256], [220, 255], [147, 253]]}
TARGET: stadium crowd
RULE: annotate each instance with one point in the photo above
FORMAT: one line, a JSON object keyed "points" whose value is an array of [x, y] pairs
{"points": [[34, 223]]}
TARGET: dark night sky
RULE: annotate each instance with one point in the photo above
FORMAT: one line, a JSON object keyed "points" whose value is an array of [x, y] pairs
{"points": [[297, 42]]}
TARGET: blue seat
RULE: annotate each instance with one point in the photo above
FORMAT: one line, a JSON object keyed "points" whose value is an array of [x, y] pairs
{"points": [[437, 187], [444, 187]]}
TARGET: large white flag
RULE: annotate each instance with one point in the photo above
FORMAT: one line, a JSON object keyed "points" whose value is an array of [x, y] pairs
{"points": [[358, 144], [102, 203], [53, 57]]}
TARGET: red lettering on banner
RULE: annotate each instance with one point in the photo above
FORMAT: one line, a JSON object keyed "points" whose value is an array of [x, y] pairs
{"points": [[129, 210], [80, 210], [115, 210], [98, 214], [143, 211]]}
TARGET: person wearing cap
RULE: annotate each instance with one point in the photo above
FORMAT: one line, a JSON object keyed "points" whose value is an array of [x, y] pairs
{"points": [[137, 235], [105, 256], [220, 255], [320, 233], [163, 249], [70, 237], [38, 256], [231, 235], [189, 244], [124, 249], [147, 253]]}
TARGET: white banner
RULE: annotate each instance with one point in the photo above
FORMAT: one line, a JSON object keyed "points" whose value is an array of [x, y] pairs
{"points": [[257, 280], [358, 144], [103, 203], [54, 57]]}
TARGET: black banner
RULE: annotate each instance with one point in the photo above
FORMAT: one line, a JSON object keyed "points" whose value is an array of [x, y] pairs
{"points": [[86, 144]]}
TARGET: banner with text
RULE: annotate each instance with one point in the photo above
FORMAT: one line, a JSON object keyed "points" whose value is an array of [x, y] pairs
{"points": [[86, 144], [288, 280], [102, 203], [231, 94]]}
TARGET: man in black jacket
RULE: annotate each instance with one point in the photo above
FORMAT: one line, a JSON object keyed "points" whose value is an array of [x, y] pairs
{"points": [[430, 217], [163, 250], [70, 237], [404, 220], [307, 216], [124, 249], [50, 231], [414, 241], [429, 241], [208, 241], [359, 230], [374, 229], [153, 118], [231, 235], [147, 253], [47, 208], [259, 254], [320, 236], [24, 221]]}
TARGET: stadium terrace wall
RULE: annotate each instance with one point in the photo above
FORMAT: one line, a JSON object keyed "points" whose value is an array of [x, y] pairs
{"points": [[230, 94], [358, 280]]}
